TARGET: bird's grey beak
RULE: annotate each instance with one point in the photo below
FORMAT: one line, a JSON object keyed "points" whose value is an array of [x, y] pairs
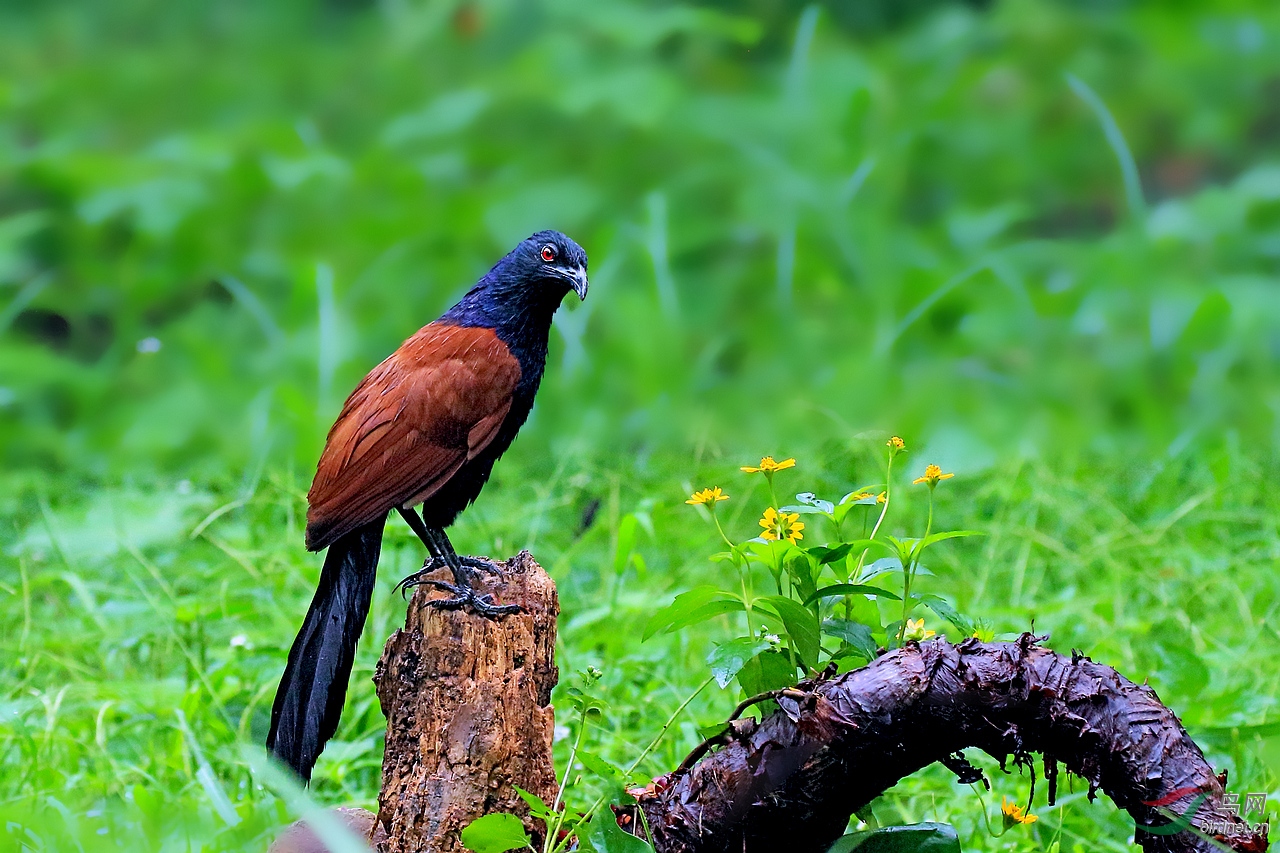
{"points": [[579, 283]]}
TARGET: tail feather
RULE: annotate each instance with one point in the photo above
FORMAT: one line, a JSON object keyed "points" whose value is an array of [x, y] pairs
{"points": [[309, 700]]}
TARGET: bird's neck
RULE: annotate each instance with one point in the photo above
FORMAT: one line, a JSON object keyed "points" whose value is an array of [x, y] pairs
{"points": [[519, 315]]}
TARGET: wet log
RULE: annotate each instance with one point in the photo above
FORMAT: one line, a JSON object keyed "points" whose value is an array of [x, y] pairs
{"points": [[791, 781], [468, 708]]}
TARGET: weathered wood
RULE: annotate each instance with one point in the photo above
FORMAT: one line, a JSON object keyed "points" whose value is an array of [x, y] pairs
{"points": [[791, 781], [468, 708]]}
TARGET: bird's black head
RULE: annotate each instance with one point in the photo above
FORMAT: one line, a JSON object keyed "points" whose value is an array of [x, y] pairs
{"points": [[550, 260], [523, 290]]}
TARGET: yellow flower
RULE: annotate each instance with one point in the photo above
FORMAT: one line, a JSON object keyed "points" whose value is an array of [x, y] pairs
{"points": [[707, 496], [916, 630], [781, 525], [859, 496], [932, 474], [1013, 814], [882, 498], [896, 445], [768, 466]]}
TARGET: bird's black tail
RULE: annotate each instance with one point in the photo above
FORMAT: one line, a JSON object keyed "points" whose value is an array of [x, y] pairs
{"points": [[309, 699]]}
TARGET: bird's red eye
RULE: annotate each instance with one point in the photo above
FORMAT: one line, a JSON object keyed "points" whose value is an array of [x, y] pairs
{"points": [[548, 254]]}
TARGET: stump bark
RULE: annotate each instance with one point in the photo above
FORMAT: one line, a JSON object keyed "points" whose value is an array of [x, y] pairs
{"points": [[468, 708]]}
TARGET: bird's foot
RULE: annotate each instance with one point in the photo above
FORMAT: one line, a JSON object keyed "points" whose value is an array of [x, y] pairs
{"points": [[418, 578], [484, 564], [490, 567], [465, 596]]}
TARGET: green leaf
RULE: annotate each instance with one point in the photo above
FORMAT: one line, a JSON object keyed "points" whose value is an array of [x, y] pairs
{"points": [[729, 658], [940, 606], [495, 833], [771, 550], [767, 671], [584, 702], [803, 571], [801, 626], [607, 837], [614, 777], [869, 500], [800, 509], [626, 543], [859, 608], [857, 635], [713, 730], [537, 808], [696, 605], [825, 555], [812, 500], [601, 767], [879, 567], [948, 534], [851, 589], [926, 837], [704, 613], [904, 549]]}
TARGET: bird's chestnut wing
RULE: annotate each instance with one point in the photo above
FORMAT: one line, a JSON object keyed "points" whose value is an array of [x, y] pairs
{"points": [[408, 427]]}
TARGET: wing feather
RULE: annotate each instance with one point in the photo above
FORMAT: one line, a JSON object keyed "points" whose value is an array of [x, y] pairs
{"points": [[410, 425]]}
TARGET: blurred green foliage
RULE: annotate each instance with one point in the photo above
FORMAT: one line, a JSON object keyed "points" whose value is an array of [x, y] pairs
{"points": [[921, 227], [1039, 239]]}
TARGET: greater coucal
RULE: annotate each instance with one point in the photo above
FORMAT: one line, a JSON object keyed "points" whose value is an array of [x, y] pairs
{"points": [[424, 427]]}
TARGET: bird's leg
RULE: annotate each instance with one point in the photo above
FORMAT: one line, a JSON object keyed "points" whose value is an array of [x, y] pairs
{"points": [[442, 553], [465, 595], [435, 561], [419, 578]]}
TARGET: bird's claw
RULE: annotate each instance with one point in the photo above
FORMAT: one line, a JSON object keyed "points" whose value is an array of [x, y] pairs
{"points": [[418, 578], [466, 597], [490, 567], [484, 564]]}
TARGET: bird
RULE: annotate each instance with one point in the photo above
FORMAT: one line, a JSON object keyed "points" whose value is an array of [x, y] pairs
{"points": [[424, 427]]}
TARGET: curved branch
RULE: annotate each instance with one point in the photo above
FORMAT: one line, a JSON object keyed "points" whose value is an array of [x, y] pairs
{"points": [[792, 781]]}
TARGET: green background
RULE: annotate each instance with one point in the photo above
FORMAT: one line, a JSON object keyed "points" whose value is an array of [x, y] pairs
{"points": [[1039, 240]]}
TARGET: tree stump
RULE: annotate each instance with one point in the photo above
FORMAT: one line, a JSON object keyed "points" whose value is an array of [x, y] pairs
{"points": [[468, 708]]}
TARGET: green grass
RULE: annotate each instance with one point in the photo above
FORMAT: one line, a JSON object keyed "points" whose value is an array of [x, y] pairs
{"points": [[127, 627], [920, 220]]}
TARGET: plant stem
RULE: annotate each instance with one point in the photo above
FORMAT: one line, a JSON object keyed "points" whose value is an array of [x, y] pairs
{"points": [[641, 757], [553, 833], [910, 569], [986, 818], [670, 721], [884, 510], [744, 573]]}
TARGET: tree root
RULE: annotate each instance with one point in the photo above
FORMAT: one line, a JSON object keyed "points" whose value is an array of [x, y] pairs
{"points": [[791, 781]]}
